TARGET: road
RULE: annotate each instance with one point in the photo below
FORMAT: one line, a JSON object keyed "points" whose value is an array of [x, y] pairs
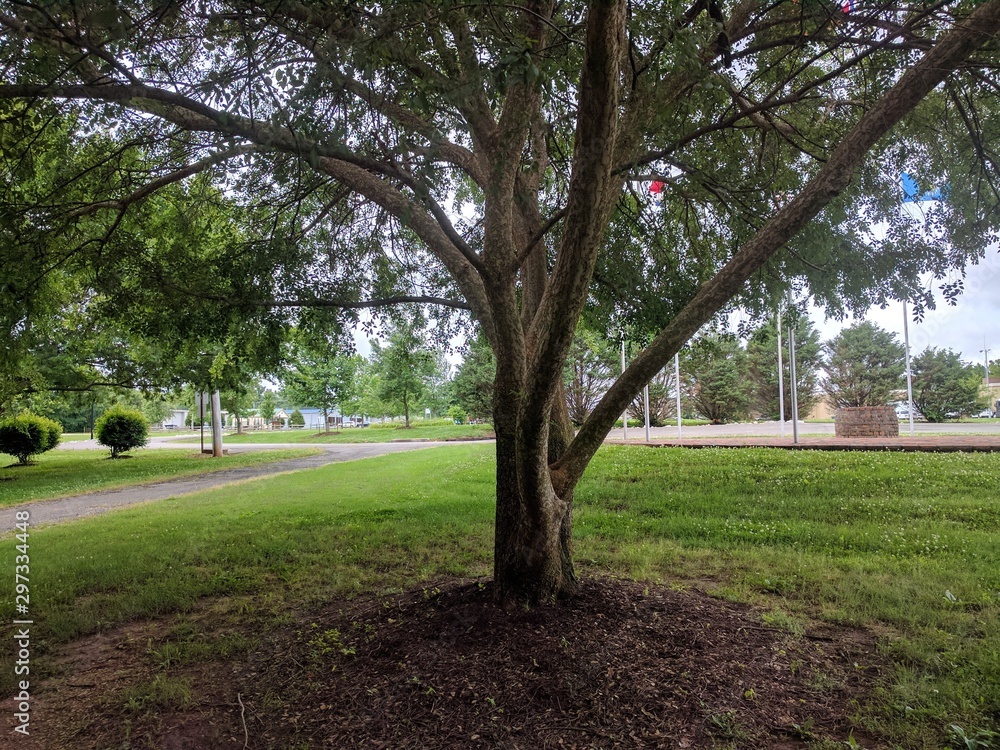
{"points": [[68, 508], [773, 429], [95, 503]]}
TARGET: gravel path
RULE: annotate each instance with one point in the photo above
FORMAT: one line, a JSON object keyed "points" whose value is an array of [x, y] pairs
{"points": [[95, 503]]}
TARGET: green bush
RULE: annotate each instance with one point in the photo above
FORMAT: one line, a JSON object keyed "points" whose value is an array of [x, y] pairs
{"points": [[121, 430], [296, 419], [457, 414], [27, 435]]}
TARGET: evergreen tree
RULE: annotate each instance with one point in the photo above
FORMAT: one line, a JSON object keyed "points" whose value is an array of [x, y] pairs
{"points": [[717, 367], [762, 356], [474, 380], [864, 366], [944, 386]]}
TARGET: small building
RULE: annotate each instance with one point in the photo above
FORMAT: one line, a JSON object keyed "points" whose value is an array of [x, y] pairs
{"points": [[313, 418], [991, 387], [253, 422], [176, 420]]}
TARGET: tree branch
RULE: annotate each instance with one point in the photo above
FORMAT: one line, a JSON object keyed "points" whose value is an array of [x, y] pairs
{"points": [[949, 53], [148, 189]]}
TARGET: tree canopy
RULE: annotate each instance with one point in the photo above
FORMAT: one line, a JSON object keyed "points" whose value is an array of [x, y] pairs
{"points": [[762, 358], [864, 366], [494, 158], [945, 386]]}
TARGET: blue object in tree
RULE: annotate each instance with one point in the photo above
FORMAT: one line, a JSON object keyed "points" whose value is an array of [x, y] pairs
{"points": [[912, 194]]}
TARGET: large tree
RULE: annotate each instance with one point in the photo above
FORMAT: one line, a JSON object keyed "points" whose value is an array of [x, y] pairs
{"points": [[864, 366], [762, 355], [491, 157], [717, 366], [945, 386]]}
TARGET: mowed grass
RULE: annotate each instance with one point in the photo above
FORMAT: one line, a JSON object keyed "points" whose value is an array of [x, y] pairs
{"points": [[905, 544], [74, 437], [60, 473], [373, 434]]}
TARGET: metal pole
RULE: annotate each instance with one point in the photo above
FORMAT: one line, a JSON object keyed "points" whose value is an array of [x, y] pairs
{"points": [[645, 408], [677, 384], [201, 418], [986, 365], [624, 413], [909, 372], [792, 377], [216, 425], [781, 380]]}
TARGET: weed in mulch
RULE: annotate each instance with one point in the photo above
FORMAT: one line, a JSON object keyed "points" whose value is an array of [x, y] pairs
{"points": [[621, 665]]}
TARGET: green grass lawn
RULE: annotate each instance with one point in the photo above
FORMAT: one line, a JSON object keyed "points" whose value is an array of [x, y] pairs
{"points": [[372, 434], [905, 544], [73, 437], [73, 472]]}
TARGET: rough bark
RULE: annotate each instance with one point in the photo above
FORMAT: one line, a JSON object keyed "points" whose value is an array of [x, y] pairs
{"points": [[533, 562]]}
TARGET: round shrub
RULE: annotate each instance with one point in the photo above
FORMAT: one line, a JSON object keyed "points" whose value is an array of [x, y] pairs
{"points": [[27, 435], [296, 419], [457, 414], [121, 430]]}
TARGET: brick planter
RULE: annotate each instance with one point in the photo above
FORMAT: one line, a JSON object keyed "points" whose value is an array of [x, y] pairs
{"points": [[866, 421]]}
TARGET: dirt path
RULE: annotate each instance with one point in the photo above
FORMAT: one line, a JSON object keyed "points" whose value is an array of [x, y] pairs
{"points": [[95, 503]]}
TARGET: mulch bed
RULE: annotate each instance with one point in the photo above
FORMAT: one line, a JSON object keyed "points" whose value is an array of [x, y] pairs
{"points": [[622, 665]]}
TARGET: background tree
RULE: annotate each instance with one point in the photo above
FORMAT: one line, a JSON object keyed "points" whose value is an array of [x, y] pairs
{"points": [[439, 391], [864, 366], [474, 380], [717, 365], [762, 359], [590, 369], [944, 385], [239, 403], [405, 367], [268, 407], [321, 378], [662, 400], [994, 368], [341, 135]]}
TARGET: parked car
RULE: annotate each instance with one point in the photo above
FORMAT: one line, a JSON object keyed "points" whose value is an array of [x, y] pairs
{"points": [[903, 411], [984, 414]]}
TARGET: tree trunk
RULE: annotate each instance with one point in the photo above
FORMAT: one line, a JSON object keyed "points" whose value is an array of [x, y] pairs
{"points": [[532, 561]]}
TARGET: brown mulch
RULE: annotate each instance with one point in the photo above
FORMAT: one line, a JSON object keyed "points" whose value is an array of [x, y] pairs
{"points": [[622, 665]]}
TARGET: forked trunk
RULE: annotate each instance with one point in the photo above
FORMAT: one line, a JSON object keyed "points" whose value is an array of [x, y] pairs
{"points": [[532, 562]]}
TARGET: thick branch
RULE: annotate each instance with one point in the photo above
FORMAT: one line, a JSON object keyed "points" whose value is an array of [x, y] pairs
{"points": [[591, 196], [354, 171], [356, 304], [948, 54]]}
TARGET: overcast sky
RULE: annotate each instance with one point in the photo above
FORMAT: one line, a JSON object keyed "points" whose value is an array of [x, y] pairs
{"points": [[960, 327]]}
